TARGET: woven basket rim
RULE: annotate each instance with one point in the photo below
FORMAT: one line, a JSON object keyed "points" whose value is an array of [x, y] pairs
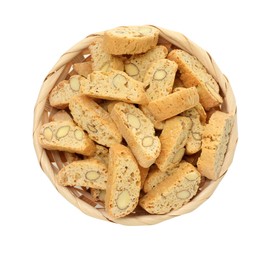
{"points": [[43, 109]]}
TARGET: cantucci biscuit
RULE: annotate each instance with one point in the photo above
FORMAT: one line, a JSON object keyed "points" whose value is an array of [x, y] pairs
{"points": [[194, 74], [114, 85], [60, 116], [83, 68], [95, 120], [173, 140], [194, 140], [101, 60], [159, 78], [66, 136], [214, 144], [85, 173], [173, 192], [130, 39], [157, 124], [61, 94], [174, 103], [137, 65], [124, 182], [143, 173], [156, 176], [138, 132]]}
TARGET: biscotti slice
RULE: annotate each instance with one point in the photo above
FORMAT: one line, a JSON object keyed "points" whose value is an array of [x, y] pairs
{"points": [[174, 103], [95, 120], [173, 140], [156, 176], [66, 136], [138, 132], [61, 115], [159, 78], [124, 182], [193, 73], [101, 60], [114, 85], [173, 192], [61, 94], [85, 173], [137, 65], [83, 68], [130, 39], [157, 124], [194, 140], [214, 144]]}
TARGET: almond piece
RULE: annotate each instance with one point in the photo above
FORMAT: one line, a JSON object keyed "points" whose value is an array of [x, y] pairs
{"points": [[147, 141], [119, 81], [74, 84], [184, 194], [133, 121], [48, 134], [92, 175], [62, 131], [131, 69], [123, 200], [192, 176], [78, 134], [159, 74]]}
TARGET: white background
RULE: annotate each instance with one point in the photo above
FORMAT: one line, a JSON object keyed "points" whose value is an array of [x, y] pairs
{"points": [[38, 223]]}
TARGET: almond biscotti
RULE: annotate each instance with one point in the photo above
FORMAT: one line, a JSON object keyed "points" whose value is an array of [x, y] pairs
{"points": [[124, 182], [174, 103], [94, 120], [85, 173], [137, 65], [193, 74], [156, 176], [83, 68], [130, 39], [101, 60], [66, 136], [157, 124], [61, 94], [114, 85], [214, 144], [173, 192], [173, 140], [194, 140], [61, 115], [138, 132], [159, 78]]}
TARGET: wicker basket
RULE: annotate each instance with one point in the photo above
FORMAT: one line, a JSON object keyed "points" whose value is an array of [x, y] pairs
{"points": [[52, 161]]}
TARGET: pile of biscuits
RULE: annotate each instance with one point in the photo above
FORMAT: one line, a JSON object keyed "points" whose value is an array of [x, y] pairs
{"points": [[139, 122]]}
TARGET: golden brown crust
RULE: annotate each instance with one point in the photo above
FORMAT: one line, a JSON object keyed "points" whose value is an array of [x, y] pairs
{"points": [[130, 39], [194, 74], [66, 136], [124, 182], [173, 192], [114, 85], [94, 120], [214, 144], [138, 131], [86, 173], [174, 103]]}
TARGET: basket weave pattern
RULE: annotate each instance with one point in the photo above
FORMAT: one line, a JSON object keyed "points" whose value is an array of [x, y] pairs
{"points": [[52, 161]]}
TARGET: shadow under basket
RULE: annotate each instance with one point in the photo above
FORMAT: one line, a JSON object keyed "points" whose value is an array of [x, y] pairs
{"points": [[52, 161]]}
